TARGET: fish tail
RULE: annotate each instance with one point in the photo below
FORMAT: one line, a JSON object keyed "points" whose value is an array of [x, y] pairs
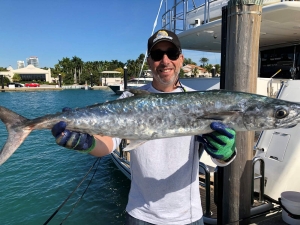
{"points": [[17, 132]]}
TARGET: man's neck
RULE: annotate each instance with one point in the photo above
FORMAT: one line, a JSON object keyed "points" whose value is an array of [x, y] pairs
{"points": [[167, 88]]}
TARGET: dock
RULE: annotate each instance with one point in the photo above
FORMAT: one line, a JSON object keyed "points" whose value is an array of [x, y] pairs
{"points": [[30, 89], [50, 88]]}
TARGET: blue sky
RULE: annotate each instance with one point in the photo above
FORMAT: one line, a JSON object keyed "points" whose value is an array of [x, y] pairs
{"points": [[92, 30]]}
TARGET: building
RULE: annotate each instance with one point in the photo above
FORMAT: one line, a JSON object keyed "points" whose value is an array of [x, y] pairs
{"points": [[191, 70], [20, 64], [33, 60], [29, 73]]}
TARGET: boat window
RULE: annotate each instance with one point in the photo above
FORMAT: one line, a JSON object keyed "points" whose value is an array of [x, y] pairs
{"points": [[280, 58]]}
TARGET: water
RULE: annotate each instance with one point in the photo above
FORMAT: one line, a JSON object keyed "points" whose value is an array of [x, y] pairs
{"points": [[201, 84], [40, 175]]}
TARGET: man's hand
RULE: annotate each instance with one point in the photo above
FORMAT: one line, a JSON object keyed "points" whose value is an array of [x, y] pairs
{"points": [[82, 142], [220, 144]]}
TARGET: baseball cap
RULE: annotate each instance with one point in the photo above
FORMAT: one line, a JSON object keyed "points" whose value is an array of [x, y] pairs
{"points": [[163, 35]]}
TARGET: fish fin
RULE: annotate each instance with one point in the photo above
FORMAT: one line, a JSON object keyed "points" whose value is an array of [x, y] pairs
{"points": [[134, 144], [16, 132], [219, 116], [139, 92]]}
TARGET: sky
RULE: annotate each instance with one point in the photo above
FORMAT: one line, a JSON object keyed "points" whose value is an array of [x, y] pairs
{"points": [[93, 30]]}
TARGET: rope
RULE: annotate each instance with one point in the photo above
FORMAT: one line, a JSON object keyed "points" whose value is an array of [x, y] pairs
{"points": [[79, 199], [65, 201]]}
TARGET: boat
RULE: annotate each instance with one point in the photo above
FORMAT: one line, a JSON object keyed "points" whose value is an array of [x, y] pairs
{"points": [[110, 77], [118, 88], [275, 152]]}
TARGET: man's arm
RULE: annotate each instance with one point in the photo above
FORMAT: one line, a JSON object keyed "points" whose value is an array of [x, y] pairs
{"points": [[96, 145], [104, 145]]}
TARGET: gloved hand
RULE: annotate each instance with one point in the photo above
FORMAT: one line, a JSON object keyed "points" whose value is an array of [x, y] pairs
{"points": [[220, 144], [82, 142]]}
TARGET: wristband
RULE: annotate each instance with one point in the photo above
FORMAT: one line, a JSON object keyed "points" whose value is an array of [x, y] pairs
{"points": [[86, 151]]}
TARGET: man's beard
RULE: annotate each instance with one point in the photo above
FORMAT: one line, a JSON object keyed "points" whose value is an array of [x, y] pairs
{"points": [[173, 80]]}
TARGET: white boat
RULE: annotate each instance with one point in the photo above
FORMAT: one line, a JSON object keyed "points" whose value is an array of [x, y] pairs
{"points": [[118, 88], [199, 28]]}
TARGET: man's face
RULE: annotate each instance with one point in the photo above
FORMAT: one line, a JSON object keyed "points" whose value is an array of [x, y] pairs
{"points": [[165, 71]]}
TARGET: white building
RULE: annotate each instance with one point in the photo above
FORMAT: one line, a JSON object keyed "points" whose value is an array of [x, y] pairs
{"points": [[29, 73], [33, 60], [191, 70], [20, 64]]}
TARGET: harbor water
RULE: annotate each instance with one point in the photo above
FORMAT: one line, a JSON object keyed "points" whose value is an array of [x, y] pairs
{"points": [[40, 175]]}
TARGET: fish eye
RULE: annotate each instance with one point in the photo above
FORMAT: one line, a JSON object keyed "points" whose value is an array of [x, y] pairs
{"points": [[281, 113]]}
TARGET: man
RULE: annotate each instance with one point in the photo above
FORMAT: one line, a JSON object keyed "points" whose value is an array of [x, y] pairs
{"points": [[164, 172]]}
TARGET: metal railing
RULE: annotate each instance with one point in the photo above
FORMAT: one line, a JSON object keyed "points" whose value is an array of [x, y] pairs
{"points": [[175, 18], [206, 185], [260, 176]]}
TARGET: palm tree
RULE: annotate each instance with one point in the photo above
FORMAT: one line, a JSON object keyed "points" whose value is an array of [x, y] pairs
{"points": [[195, 71], [204, 61], [208, 67], [77, 64], [130, 67], [105, 65], [65, 65], [187, 61], [114, 64], [218, 68]]}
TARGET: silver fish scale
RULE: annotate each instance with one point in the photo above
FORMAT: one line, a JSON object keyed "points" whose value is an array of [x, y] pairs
{"points": [[167, 115], [160, 116]]}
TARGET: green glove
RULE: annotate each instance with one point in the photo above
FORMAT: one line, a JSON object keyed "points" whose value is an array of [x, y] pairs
{"points": [[220, 144]]}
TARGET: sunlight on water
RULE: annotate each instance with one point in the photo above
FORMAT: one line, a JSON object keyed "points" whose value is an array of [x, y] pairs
{"points": [[40, 175]]}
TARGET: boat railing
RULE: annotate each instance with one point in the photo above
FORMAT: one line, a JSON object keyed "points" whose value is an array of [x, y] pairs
{"points": [[255, 210], [216, 185], [206, 185], [122, 145], [184, 15], [260, 176], [121, 153]]}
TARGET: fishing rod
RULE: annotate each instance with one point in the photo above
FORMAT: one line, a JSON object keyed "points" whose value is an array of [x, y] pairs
{"points": [[79, 199], [65, 201], [270, 84], [154, 25], [275, 73]]}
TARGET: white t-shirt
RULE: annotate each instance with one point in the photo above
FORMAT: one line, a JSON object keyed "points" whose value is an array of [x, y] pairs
{"points": [[164, 179]]}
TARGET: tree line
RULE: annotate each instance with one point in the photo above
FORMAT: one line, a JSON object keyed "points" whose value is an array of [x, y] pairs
{"points": [[75, 70]]}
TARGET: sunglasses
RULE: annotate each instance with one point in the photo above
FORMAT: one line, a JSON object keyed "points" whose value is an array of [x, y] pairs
{"points": [[172, 53]]}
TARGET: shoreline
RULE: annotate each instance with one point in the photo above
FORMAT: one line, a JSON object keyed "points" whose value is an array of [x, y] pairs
{"points": [[50, 88]]}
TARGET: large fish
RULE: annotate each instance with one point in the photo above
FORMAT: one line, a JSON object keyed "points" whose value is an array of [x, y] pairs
{"points": [[147, 116]]}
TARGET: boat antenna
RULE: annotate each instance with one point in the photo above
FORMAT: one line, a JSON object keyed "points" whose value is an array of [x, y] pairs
{"points": [[154, 25]]}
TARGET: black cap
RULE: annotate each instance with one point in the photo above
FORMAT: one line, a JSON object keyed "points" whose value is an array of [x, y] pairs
{"points": [[163, 35]]}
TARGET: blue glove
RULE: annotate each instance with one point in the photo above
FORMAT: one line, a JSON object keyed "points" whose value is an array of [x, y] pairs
{"points": [[82, 142], [220, 144]]}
